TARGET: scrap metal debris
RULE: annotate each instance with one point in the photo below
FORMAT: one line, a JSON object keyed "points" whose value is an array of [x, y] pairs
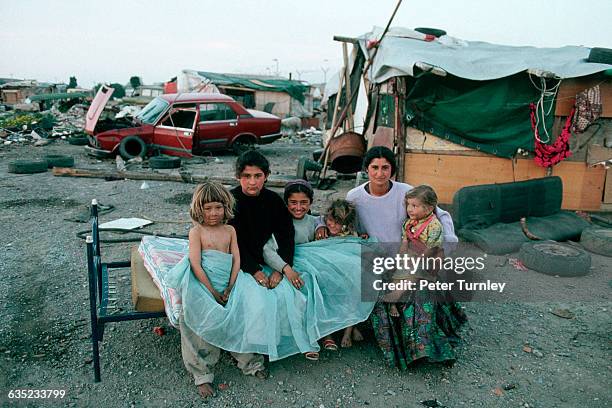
{"points": [[40, 128]]}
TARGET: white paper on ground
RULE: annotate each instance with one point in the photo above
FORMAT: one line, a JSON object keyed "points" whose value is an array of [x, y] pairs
{"points": [[126, 223]]}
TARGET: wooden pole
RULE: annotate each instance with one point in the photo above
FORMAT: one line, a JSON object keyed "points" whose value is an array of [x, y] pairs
{"points": [[346, 39], [349, 124], [325, 155], [135, 175], [400, 129], [336, 106], [371, 60], [335, 125]]}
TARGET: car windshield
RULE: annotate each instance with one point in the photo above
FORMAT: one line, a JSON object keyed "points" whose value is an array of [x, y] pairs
{"points": [[150, 113]]}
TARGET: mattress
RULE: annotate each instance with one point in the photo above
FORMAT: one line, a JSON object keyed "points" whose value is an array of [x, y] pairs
{"points": [[159, 256]]}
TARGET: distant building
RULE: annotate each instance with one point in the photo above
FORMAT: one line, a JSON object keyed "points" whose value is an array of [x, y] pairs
{"points": [[14, 92], [279, 96]]}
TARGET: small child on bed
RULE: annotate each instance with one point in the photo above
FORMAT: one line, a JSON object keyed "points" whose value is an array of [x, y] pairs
{"points": [[211, 208]]}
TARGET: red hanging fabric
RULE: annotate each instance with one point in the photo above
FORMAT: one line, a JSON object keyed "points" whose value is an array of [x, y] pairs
{"points": [[549, 155]]}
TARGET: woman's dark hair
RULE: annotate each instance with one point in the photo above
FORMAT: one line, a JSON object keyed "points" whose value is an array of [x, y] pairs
{"points": [[424, 194], [252, 158], [298, 186], [380, 152]]}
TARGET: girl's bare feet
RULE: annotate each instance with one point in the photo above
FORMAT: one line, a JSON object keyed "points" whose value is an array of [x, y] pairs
{"points": [[357, 336], [346, 337], [205, 390], [393, 311]]}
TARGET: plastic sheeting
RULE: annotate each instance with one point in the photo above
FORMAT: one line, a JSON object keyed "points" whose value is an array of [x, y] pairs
{"points": [[402, 49]]}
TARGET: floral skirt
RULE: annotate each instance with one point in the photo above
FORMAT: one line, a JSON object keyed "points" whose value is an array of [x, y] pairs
{"points": [[425, 329]]}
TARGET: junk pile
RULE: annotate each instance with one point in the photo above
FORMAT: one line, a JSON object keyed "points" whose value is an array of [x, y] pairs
{"points": [[293, 134], [25, 128], [40, 128]]}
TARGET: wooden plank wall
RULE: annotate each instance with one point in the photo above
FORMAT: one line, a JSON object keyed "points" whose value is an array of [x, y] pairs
{"points": [[583, 186], [608, 189], [570, 87]]}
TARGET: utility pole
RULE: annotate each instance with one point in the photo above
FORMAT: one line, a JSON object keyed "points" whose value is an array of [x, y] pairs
{"points": [[277, 71], [325, 71]]}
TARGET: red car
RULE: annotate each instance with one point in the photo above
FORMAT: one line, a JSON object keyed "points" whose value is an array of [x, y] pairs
{"points": [[179, 125]]}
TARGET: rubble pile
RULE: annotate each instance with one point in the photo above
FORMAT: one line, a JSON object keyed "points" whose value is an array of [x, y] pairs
{"points": [[311, 136], [69, 123], [25, 127], [39, 128]]}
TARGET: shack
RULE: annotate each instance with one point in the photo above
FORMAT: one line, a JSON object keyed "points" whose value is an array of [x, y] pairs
{"points": [[279, 96], [64, 99], [17, 91], [461, 113]]}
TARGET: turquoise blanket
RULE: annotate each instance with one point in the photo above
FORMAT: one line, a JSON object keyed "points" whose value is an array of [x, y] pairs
{"points": [[282, 321]]}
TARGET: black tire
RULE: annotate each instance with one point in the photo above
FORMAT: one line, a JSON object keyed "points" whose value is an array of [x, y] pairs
{"points": [[597, 240], [59, 160], [555, 258], [27, 166], [132, 146], [600, 55], [317, 154], [242, 144], [164, 162], [433, 31], [78, 140]]}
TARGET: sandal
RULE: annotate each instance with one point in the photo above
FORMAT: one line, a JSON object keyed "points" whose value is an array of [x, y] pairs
{"points": [[330, 345], [262, 374], [312, 356]]}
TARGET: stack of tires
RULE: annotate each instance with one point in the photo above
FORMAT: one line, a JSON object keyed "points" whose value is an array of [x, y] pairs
{"points": [[32, 166]]}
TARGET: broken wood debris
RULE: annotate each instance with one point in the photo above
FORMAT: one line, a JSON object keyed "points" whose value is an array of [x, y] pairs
{"points": [[183, 177]]}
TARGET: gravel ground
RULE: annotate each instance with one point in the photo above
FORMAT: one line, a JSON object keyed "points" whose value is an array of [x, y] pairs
{"points": [[44, 338]]}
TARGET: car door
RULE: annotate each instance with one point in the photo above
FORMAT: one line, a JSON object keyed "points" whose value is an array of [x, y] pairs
{"points": [[218, 124], [174, 133]]}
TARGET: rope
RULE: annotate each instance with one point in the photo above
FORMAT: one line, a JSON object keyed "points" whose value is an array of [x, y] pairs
{"points": [[545, 92]]}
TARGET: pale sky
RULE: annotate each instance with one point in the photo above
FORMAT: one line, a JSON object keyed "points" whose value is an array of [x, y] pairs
{"points": [[110, 40]]}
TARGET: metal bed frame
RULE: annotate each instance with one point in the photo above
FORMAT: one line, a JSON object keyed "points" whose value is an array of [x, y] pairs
{"points": [[100, 290]]}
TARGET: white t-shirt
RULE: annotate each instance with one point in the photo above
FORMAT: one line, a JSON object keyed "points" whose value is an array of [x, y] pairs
{"points": [[382, 217]]}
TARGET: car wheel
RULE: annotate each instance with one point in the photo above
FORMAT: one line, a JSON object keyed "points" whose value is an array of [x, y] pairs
{"points": [[59, 160], [27, 166], [597, 240], [164, 162], [554, 258], [78, 140], [132, 146], [242, 145]]}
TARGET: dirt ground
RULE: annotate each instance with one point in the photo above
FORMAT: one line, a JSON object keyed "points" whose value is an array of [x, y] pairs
{"points": [[44, 335]]}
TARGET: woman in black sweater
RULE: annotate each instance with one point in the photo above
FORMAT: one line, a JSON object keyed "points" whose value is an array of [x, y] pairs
{"points": [[258, 214]]}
